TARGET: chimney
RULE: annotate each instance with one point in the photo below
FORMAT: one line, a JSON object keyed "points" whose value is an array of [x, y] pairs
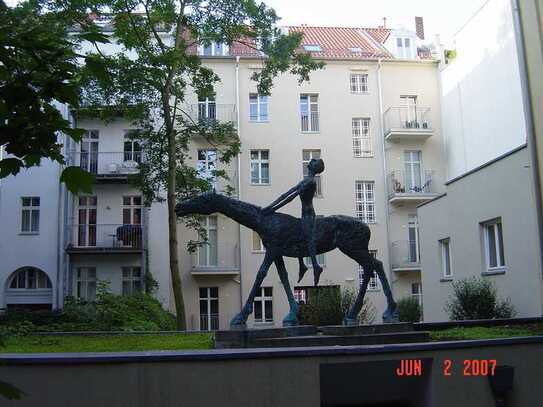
{"points": [[384, 22], [419, 27]]}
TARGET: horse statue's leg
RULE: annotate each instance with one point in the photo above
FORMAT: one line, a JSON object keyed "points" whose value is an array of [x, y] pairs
{"points": [[391, 313], [352, 316], [292, 317], [240, 320]]}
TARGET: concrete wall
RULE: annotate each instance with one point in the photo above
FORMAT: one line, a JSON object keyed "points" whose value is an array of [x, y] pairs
{"points": [[501, 189], [267, 377], [483, 112]]}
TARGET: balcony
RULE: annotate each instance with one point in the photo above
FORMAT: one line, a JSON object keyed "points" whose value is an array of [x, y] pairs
{"points": [[100, 238], [408, 123], [216, 261], [404, 256], [108, 167], [212, 112], [412, 187]]}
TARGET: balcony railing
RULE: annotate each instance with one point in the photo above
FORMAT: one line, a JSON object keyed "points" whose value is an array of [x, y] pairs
{"points": [[213, 260], [100, 236], [108, 163], [209, 322], [211, 112], [412, 184], [407, 120], [310, 122], [404, 255]]}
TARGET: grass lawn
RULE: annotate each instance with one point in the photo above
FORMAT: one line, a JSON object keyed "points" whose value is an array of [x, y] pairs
{"points": [[111, 343], [487, 332]]}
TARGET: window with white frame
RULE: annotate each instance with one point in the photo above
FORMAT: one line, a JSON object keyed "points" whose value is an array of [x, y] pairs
{"points": [[404, 48], [260, 167], [416, 292], [493, 241], [361, 137], [258, 107], [207, 108], [132, 146], [445, 253], [365, 201], [309, 111], [209, 308], [131, 280], [373, 285], [263, 305], [207, 252], [258, 246], [30, 214], [132, 206], [213, 49], [321, 260], [85, 285], [300, 295], [207, 165], [308, 155], [359, 83], [29, 278]]}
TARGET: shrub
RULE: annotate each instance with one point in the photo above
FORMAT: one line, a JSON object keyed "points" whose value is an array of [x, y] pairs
{"points": [[327, 305], [476, 298], [409, 310]]}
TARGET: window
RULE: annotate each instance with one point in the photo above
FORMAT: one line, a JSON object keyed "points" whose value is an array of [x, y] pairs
{"points": [[365, 201], [308, 155], [416, 292], [300, 295], [85, 288], [359, 83], [258, 246], [29, 278], [206, 166], [493, 239], [321, 260], [209, 308], [132, 210], [413, 238], [309, 110], [86, 229], [88, 158], [207, 108], [403, 48], [263, 305], [373, 285], [258, 108], [413, 171], [132, 148], [260, 167], [445, 252], [207, 253], [213, 49], [30, 215], [313, 48], [131, 281], [361, 138]]}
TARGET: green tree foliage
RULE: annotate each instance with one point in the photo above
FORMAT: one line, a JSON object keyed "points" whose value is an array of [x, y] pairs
{"points": [[39, 71], [476, 298], [155, 67], [409, 310]]}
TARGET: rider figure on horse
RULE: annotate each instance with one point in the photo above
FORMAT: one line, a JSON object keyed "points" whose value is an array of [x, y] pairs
{"points": [[306, 189]]}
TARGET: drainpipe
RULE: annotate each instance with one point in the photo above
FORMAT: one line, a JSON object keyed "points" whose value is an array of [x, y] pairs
{"points": [[530, 130], [239, 181], [385, 171]]}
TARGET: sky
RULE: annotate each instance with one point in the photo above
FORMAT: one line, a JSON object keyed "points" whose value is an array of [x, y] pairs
{"points": [[442, 17]]}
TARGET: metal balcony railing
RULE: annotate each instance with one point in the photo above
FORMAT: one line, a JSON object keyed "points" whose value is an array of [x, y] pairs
{"points": [[412, 183], [216, 258], [108, 163], [405, 254], [209, 322], [310, 122], [111, 236], [210, 112], [407, 118]]}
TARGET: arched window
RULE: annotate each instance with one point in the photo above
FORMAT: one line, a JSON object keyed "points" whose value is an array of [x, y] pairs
{"points": [[29, 278]]}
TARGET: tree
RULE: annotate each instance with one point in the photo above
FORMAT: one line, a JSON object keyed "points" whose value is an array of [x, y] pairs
{"points": [[39, 71], [155, 66]]}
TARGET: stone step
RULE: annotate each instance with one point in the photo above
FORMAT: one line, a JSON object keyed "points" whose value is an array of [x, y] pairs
{"points": [[241, 338], [366, 329], [346, 340]]}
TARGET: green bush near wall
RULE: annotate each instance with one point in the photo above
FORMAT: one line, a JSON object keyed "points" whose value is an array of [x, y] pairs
{"points": [[409, 310]]}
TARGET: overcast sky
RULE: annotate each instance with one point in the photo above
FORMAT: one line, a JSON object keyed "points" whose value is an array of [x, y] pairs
{"points": [[442, 17]]}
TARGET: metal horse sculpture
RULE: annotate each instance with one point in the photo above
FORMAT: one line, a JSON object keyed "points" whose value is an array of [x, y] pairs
{"points": [[281, 236]]}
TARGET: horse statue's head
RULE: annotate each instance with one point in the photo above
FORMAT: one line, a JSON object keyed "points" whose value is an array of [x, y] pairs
{"points": [[204, 204]]}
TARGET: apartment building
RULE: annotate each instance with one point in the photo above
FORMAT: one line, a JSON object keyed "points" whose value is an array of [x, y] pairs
{"points": [[373, 116], [486, 224]]}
